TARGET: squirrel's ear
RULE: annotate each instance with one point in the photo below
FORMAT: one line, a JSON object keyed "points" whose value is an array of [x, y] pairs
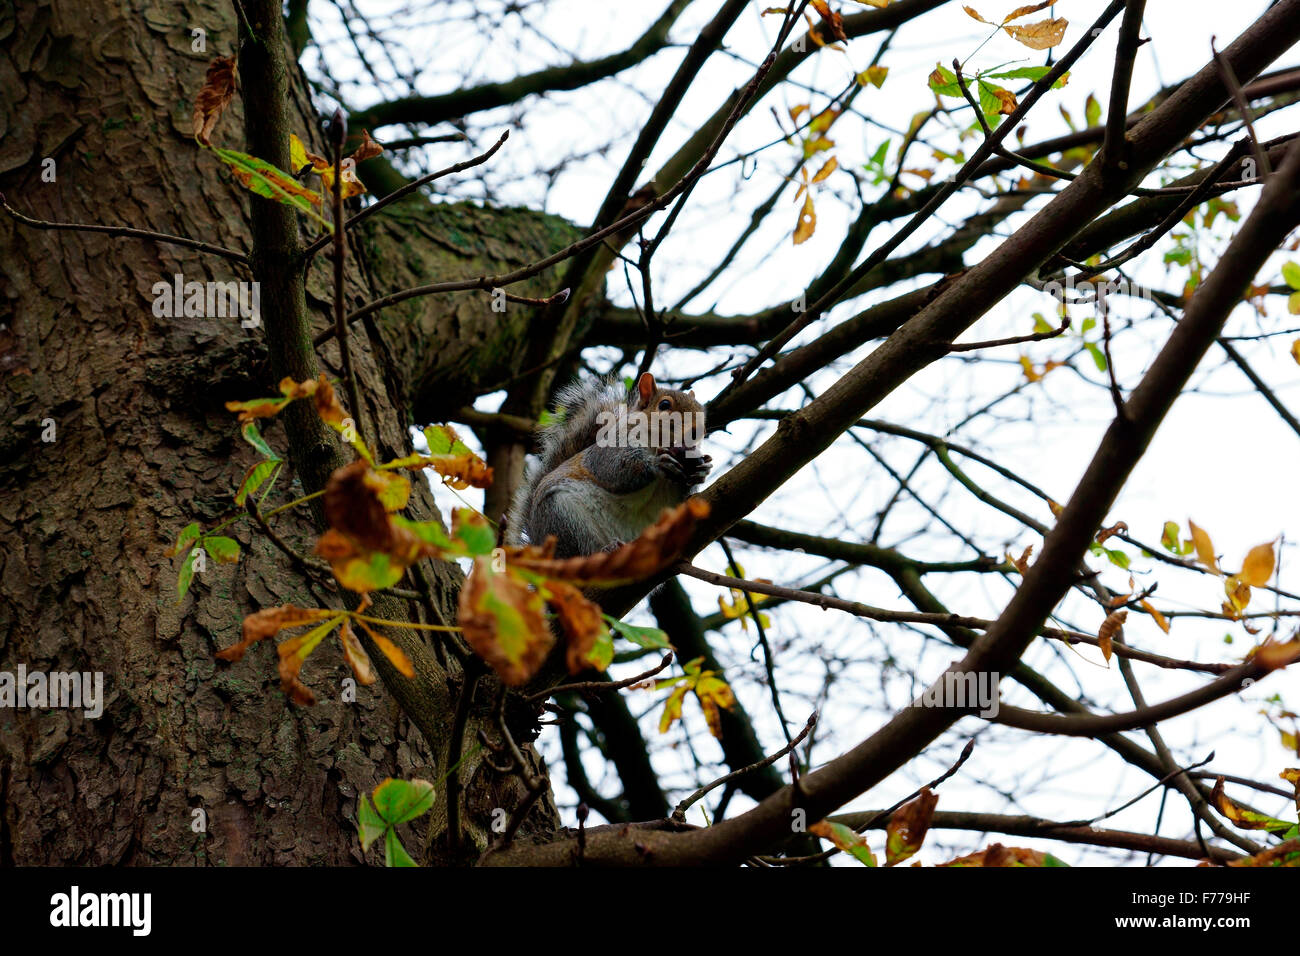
{"points": [[645, 387], [691, 392]]}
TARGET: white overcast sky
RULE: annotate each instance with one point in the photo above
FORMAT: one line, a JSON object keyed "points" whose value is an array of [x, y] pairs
{"points": [[1223, 458]]}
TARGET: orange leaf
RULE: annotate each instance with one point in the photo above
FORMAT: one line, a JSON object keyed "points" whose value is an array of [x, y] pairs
{"points": [[1204, 547], [1110, 627], [1156, 615], [653, 550], [267, 622], [1258, 566]]}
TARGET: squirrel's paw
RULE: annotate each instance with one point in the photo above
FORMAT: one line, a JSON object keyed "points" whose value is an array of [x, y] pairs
{"points": [[697, 469], [688, 471]]}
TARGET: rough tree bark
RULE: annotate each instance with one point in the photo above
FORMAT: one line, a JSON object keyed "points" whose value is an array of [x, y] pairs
{"points": [[144, 446]]}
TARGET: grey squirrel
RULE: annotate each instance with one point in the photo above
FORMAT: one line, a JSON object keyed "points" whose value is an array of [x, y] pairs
{"points": [[609, 465]]}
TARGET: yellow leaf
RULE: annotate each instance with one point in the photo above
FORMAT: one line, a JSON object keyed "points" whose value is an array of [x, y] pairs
{"points": [[1295, 351], [1258, 566], [1041, 35], [807, 223], [972, 12], [1238, 592], [875, 75], [1204, 547]]}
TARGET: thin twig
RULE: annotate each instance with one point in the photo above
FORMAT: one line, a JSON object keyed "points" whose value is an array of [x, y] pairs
{"points": [[1014, 340], [406, 190], [680, 812], [1239, 98], [602, 685], [125, 231]]}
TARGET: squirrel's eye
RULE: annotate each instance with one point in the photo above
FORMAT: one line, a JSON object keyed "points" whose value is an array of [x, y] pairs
{"points": [[665, 404]]}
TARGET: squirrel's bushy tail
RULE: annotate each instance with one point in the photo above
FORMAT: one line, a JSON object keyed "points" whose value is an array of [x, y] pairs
{"points": [[577, 409]]}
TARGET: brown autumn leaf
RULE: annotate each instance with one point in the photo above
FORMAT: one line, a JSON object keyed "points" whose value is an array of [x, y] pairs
{"points": [[832, 24], [807, 222], [652, 551], [327, 403], [366, 549], [581, 621], [267, 622], [998, 855], [1273, 654], [908, 826], [1041, 35], [356, 656], [1114, 529], [1007, 99], [368, 149], [215, 95], [354, 508], [1019, 12], [1022, 563], [1284, 854], [1110, 627], [501, 618]]}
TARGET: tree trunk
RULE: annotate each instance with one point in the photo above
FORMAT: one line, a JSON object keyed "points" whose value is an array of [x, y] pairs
{"points": [[142, 445]]}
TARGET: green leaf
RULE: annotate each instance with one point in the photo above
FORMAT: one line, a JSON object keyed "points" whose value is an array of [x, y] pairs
{"points": [[254, 438], [370, 825], [430, 532], [373, 572], [394, 853], [442, 441], [1049, 860], [990, 105], [1088, 325], [255, 477], [601, 654], [641, 636], [264, 179], [945, 82], [479, 539], [1293, 303], [189, 534], [1034, 73], [1098, 356], [1291, 274], [1041, 324], [1092, 110], [1170, 536], [186, 576], [223, 550], [397, 801], [1118, 558]]}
